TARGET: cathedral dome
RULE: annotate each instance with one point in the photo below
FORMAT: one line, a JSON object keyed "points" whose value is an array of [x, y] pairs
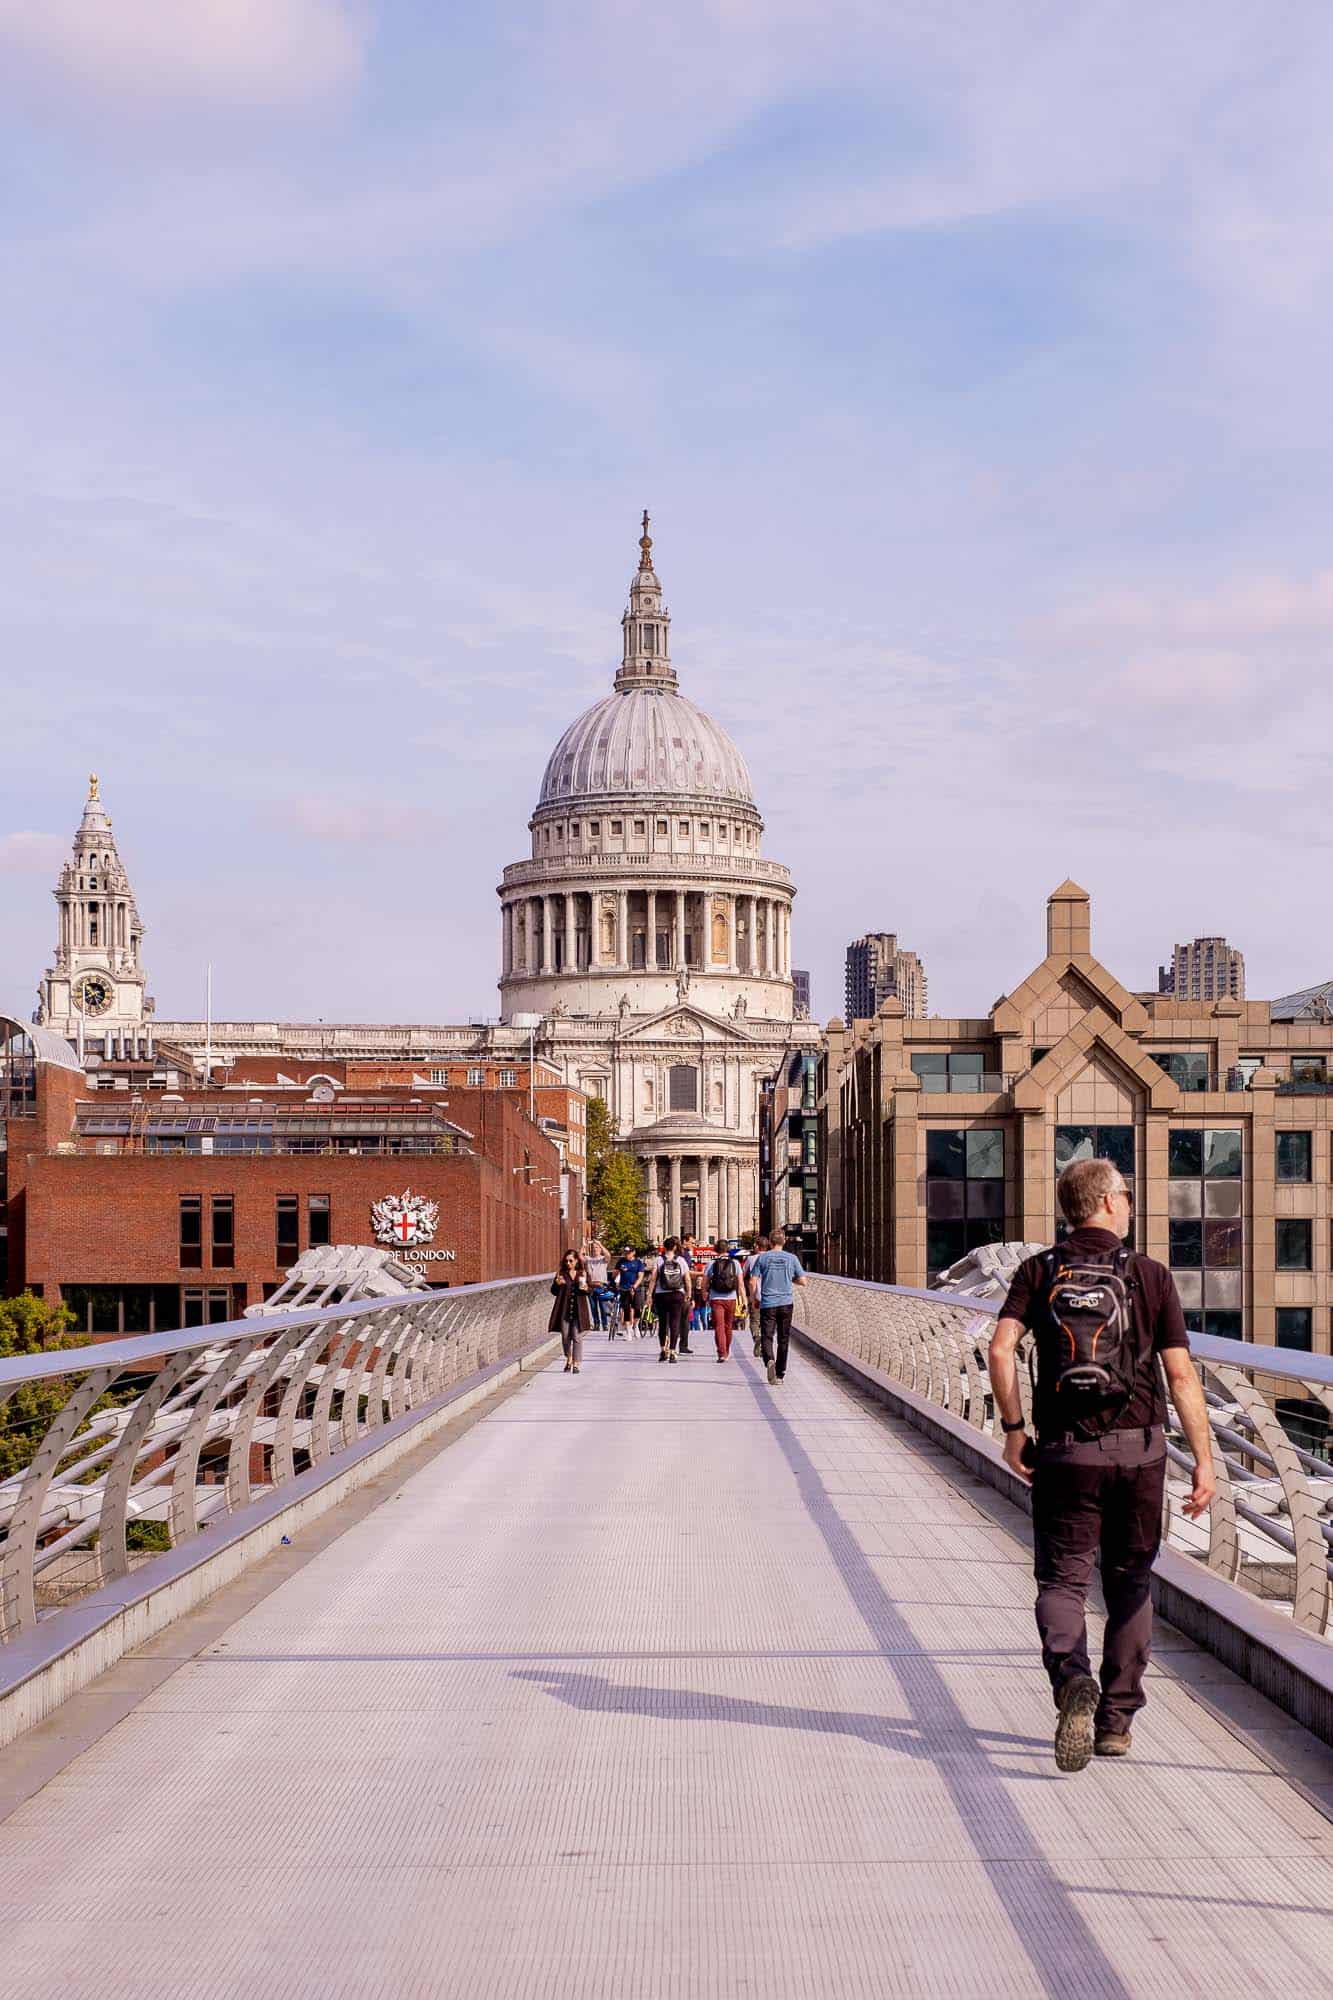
{"points": [[645, 740]]}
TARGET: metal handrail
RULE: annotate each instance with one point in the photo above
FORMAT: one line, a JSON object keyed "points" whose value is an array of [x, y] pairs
{"points": [[179, 1428], [933, 1342]]}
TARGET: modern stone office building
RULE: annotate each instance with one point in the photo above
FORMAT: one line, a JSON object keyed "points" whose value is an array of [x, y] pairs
{"points": [[936, 1135]]}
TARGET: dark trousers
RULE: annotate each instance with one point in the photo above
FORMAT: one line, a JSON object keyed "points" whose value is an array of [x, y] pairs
{"points": [[595, 1306], [670, 1310], [1102, 1497], [775, 1335]]}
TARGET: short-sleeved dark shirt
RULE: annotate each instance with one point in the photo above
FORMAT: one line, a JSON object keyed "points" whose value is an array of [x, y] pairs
{"points": [[1158, 1323]]}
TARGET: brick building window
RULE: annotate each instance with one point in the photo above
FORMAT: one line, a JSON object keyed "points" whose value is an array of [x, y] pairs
{"points": [[440, 1077], [191, 1232], [206, 1305], [508, 1079], [1295, 1327], [1205, 1229], [1294, 1250], [1294, 1154], [319, 1218], [288, 1231], [964, 1193], [223, 1255], [476, 1077]]}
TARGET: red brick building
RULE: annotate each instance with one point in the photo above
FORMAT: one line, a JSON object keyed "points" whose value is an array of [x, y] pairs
{"points": [[145, 1208]]}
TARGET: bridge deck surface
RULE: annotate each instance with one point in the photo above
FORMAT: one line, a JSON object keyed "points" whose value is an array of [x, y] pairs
{"points": [[662, 1683]]}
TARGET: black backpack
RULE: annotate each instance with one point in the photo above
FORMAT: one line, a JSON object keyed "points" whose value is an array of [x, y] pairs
{"points": [[1089, 1359], [723, 1276], [670, 1277]]}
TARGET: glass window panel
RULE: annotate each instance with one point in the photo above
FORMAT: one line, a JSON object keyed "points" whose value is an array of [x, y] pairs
{"points": [[986, 1198], [1309, 1069], [944, 1199], [136, 1301], [928, 1063], [966, 1064], [1221, 1156], [1224, 1325], [1293, 1244], [105, 1301], [1295, 1327], [1184, 1198], [1073, 1142], [945, 1244], [1184, 1155], [946, 1155], [1190, 1286], [1222, 1198], [985, 1155], [1116, 1144], [166, 1308], [1193, 1322], [979, 1230], [1293, 1156], [1222, 1288], [1186, 1241], [1222, 1244]]}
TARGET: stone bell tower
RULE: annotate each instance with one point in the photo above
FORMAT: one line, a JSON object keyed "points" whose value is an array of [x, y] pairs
{"points": [[95, 990]]}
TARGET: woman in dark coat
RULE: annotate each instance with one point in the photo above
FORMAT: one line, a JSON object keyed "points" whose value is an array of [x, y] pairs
{"points": [[571, 1314]]}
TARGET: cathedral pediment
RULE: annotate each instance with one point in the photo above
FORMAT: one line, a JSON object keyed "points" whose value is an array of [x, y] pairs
{"points": [[686, 1023]]}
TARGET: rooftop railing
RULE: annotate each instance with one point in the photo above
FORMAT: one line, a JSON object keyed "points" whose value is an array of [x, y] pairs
{"points": [[115, 1450], [1269, 1528]]}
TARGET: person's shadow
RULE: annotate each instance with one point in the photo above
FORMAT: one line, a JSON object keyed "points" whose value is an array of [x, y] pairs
{"points": [[596, 1695]]}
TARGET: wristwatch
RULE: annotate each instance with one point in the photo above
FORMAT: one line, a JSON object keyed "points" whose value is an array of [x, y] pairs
{"points": [[1021, 1425]]}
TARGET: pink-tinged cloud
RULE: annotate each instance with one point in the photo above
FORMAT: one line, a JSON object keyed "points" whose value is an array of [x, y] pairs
{"points": [[32, 853], [220, 51]]}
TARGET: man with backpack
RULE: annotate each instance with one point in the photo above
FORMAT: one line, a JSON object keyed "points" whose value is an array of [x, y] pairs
{"points": [[672, 1286], [1106, 1322], [722, 1280]]}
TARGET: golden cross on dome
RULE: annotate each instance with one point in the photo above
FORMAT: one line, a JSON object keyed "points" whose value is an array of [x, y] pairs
{"points": [[92, 785], [646, 544]]}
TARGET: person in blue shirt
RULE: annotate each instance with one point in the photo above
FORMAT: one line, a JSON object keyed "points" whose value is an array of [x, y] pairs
{"points": [[629, 1271], [772, 1275]]}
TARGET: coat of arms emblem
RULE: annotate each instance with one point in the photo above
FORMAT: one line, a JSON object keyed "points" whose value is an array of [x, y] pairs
{"points": [[404, 1218]]}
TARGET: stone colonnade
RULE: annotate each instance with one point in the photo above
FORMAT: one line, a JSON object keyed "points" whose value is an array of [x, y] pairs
{"points": [[647, 930], [716, 1185]]}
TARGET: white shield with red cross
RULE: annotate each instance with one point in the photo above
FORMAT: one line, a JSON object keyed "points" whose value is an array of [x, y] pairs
{"points": [[404, 1219]]}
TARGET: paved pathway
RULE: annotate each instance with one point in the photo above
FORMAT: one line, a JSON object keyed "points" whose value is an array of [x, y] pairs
{"points": [[660, 1683]]}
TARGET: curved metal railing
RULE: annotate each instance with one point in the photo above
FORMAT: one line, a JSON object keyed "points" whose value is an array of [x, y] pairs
{"points": [[127, 1446], [1270, 1527]]}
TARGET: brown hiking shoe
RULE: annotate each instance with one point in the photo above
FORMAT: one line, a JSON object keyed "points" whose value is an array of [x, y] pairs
{"points": [[1112, 1743], [1078, 1700]]}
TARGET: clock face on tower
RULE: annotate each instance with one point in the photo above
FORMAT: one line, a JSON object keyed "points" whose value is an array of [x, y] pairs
{"points": [[93, 994]]}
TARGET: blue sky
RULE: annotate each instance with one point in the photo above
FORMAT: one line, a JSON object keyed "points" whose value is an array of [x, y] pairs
{"points": [[973, 364]]}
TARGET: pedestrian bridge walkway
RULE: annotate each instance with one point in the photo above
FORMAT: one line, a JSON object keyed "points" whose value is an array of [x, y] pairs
{"points": [[655, 1682]]}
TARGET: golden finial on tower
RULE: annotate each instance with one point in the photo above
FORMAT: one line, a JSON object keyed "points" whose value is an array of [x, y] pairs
{"points": [[645, 545], [92, 785]]}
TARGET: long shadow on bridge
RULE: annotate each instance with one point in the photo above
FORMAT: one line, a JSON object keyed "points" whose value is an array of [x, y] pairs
{"points": [[1062, 1951]]}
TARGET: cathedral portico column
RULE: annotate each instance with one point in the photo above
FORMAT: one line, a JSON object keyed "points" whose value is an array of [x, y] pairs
{"points": [[786, 939], [680, 928], [571, 931], [705, 1198], [622, 929], [733, 1189], [673, 1208], [650, 941], [533, 935], [548, 940], [731, 934]]}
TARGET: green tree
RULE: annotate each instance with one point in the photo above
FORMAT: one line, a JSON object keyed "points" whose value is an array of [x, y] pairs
{"points": [[28, 1325], [615, 1184]]}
